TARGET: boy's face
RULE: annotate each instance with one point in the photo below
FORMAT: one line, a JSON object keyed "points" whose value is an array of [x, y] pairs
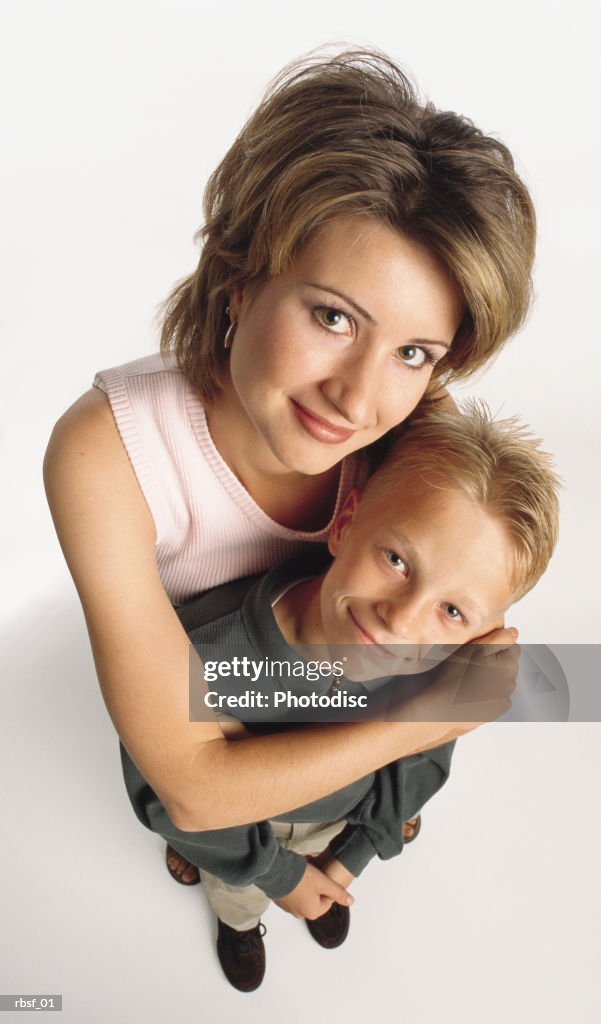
{"points": [[414, 565]]}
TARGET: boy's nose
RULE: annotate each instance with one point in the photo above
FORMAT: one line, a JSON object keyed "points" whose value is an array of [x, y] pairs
{"points": [[403, 619]]}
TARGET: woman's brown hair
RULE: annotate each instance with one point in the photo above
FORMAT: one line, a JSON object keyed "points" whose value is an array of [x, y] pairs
{"points": [[349, 135]]}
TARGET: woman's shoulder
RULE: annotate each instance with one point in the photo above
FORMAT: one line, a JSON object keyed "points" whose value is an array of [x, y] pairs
{"points": [[86, 434], [89, 482], [153, 374], [88, 417], [92, 416]]}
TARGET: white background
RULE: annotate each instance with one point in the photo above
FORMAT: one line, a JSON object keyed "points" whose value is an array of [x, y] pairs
{"points": [[115, 114]]}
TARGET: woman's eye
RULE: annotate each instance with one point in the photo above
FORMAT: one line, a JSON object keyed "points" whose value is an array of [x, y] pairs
{"points": [[413, 356], [453, 613], [333, 319], [396, 562]]}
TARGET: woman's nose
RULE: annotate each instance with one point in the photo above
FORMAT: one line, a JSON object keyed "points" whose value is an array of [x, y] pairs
{"points": [[353, 389]]}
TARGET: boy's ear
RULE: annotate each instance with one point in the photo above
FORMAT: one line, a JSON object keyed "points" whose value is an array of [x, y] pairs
{"points": [[343, 521]]}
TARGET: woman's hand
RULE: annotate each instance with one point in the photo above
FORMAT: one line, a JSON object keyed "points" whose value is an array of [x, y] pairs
{"points": [[470, 687], [314, 895], [499, 636]]}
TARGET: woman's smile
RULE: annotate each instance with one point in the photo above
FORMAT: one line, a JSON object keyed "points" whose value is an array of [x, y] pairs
{"points": [[320, 428]]}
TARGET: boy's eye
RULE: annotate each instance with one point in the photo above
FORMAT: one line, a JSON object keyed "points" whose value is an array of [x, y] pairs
{"points": [[453, 612], [396, 562], [333, 319], [414, 357]]}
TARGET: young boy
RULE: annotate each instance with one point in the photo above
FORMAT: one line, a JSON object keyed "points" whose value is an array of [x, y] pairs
{"points": [[458, 521]]}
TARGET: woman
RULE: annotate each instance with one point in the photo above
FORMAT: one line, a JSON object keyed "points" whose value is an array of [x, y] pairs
{"points": [[359, 249]]}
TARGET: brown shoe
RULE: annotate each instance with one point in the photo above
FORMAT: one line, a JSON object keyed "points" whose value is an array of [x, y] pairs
{"points": [[331, 929], [242, 956]]}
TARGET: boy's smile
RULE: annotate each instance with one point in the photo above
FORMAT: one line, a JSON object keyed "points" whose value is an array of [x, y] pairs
{"points": [[413, 564]]}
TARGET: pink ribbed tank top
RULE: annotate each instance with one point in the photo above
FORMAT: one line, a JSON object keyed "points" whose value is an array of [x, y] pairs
{"points": [[209, 529]]}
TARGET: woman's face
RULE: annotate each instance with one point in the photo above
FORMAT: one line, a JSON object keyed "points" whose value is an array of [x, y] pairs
{"points": [[331, 354]]}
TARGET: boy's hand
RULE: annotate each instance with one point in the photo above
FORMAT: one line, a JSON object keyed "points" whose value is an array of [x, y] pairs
{"points": [[332, 867], [337, 872], [314, 895]]}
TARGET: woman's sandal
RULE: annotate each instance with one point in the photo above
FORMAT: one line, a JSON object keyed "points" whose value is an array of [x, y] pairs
{"points": [[170, 852], [416, 828]]}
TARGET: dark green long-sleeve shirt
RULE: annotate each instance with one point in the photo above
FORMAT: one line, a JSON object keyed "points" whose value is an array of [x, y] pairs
{"points": [[238, 618]]}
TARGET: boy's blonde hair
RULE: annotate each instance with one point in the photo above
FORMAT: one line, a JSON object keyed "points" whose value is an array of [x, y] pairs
{"points": [[349, 136], [498, 464]]}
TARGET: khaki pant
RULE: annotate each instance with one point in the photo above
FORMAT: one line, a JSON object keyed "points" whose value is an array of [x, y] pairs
{"points": [[242, 906]]}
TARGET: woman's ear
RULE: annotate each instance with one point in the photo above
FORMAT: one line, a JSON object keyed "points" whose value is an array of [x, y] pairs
{"points": [[235, 299], [343, 521]]}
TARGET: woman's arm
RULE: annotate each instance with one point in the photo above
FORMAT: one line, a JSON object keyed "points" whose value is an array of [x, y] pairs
{"points": [[142, 654]]}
